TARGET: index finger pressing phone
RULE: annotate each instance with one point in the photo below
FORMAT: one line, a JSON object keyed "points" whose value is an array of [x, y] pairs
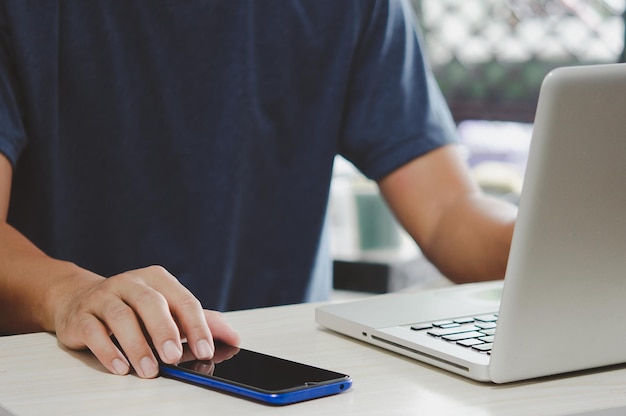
{"points": [[257, 376]]}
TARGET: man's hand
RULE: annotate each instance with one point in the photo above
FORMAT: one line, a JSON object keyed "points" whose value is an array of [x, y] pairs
{"points": [[140, 307]]}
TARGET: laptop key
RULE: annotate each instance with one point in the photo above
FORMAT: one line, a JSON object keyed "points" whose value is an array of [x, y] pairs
{"points": [[421, 327], [469, 342], [440, 332], [467, 320], [443, 323], [487, 318], [463, 335], [486, 325], [483, 347]]}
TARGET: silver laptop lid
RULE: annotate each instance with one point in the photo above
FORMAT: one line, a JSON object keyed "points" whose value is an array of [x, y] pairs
{"points": [[565, 289]]}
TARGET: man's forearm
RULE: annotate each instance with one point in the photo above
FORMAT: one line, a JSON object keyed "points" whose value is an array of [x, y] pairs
{"points": [[473, 239], [465, 233], [32, 283]]}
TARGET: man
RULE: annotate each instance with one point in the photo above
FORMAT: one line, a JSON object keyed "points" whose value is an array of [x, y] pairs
{"points": [[200, 136]]}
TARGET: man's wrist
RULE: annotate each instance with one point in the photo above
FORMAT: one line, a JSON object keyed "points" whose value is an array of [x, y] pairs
{"points": [[68, 282]]}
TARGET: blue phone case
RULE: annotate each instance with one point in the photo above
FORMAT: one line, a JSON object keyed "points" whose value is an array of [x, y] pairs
{"points": [[285, 397]]}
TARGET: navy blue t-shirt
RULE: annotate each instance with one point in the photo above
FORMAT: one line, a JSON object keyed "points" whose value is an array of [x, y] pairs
{"points": [[200, 135]]}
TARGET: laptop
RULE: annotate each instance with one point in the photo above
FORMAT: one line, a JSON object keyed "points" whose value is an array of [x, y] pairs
{"points": [[562, 303]]}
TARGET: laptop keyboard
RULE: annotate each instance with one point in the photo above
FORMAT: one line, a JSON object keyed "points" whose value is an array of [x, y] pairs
{"points": [[475, 332]]}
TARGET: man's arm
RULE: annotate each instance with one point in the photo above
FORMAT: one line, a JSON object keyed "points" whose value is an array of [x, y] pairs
{"points": [[39, 293], [465, 233]]}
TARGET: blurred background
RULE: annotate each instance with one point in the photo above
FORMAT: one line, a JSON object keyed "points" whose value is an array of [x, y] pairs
{"points": [[489, 58]]}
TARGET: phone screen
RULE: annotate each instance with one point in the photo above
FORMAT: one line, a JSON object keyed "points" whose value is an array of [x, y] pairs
{"points": [[258, 376]]}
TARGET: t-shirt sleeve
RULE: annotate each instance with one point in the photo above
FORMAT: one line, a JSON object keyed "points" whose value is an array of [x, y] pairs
{"points": [[12, 133], [396, 111]]}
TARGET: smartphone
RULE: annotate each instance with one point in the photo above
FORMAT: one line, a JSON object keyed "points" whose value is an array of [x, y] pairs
{"points": [[257, 376]]}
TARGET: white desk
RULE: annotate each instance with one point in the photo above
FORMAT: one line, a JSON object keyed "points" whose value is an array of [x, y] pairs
{"points": [[39, 377]]}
